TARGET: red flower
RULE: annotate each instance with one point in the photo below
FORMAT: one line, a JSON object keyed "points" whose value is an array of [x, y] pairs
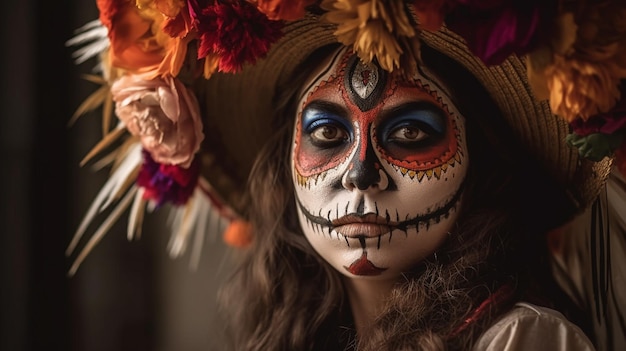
{"points": [[236, 31], [496, 29], [605, 123], [167, 183]]}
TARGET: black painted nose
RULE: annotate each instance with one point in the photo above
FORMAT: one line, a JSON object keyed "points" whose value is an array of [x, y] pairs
{"points": [[364, 173]]}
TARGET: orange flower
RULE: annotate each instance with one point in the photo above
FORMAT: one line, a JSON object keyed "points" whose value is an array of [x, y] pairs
{"points": [[374, 27], [145, 38], [172, 29], [128, 30], [581, 89]]}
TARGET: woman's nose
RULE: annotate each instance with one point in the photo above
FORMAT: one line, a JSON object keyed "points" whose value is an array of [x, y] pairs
{"points": [[365, 173]]}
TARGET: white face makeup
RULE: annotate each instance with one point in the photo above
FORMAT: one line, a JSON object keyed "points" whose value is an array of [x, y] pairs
{"points": [[378, 167]]}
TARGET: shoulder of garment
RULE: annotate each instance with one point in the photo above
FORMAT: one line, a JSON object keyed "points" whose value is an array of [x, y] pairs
{"points": [[531, 327]]}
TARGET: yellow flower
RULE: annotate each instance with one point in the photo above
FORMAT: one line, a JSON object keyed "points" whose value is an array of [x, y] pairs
{"points": [[581, 89], [376, 29]]}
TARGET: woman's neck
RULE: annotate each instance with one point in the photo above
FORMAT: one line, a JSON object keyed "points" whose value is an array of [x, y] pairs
{"points": [[367, 298]]}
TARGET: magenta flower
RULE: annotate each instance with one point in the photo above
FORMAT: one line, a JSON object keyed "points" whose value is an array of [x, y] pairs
{"points": [[167, 183], [496, 29]]}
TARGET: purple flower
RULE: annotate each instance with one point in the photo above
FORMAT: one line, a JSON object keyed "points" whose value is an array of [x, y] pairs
{"points": [[167, 183]]}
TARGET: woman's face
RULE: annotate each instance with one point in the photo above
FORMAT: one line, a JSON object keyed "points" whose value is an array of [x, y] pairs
{"points": [[378, 166]]}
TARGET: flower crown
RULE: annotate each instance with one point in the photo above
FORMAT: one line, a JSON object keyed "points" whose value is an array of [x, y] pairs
{"points": [[151, 51]]}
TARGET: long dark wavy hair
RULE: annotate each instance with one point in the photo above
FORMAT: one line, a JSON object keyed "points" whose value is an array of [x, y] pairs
{"points": [[284, 296]]}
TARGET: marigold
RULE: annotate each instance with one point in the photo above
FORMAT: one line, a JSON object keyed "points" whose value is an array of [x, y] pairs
{"points": [[561, 42], [581, 89], [172, 30], [373, 27]]}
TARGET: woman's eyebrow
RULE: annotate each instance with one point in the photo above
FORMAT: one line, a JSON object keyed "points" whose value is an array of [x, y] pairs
{"points": [[328, 107], [412, 106]]}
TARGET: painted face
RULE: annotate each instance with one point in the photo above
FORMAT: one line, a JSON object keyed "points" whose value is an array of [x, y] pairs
{"points": [[378, 166]]}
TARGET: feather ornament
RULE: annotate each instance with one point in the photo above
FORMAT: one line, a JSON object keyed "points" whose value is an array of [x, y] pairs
{"points": [[117, 184], [92, 38]]}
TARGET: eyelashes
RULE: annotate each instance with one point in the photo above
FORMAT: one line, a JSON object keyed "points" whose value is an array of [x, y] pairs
{"points": [[413, 126], [325, 129], [410, 126]]}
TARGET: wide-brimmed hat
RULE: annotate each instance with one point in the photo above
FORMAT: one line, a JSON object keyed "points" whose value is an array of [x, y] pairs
{"points": [[209, 72]]}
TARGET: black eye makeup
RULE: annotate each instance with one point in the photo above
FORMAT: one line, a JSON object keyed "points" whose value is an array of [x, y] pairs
{"points": [[412, 125], [325, 125]]}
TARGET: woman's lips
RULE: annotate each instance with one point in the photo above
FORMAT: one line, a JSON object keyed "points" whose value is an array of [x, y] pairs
{"points": [[369, 226]]}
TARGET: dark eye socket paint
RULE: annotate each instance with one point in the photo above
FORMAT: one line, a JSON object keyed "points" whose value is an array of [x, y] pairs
{"points": [[318, 114], [425, 116]]}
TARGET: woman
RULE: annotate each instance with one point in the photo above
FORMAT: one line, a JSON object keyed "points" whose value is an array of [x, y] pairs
{"points": [[403, 192], [388, 221]]}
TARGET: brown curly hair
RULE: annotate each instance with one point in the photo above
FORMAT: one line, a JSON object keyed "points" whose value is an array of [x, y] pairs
{"points": [[284, 296]]}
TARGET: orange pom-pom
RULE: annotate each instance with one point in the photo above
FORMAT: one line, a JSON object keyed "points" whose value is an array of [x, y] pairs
{"points": [[238, 234]]}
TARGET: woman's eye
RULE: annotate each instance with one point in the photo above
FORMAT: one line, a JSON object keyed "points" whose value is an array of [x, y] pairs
{"points": [[328, 135], [407, 135]]}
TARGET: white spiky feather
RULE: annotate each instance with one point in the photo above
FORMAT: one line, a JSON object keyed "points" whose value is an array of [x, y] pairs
{"points": [[106, 196], [192, 224], [92, 39]]}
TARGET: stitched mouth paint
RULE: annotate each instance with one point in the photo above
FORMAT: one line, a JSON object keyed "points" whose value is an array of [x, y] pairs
{"points": [[378, 166]]}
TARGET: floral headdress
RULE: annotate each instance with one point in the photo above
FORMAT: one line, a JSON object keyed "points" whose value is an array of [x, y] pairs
{"points": [[153, 52]]}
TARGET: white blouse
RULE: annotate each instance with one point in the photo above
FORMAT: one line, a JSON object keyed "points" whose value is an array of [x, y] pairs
{"points": [[533, 328]]}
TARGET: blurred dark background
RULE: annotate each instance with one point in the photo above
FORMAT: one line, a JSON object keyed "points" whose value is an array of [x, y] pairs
{"points": [[126, 295]]}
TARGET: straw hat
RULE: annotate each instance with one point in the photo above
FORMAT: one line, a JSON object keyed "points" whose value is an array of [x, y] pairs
{"points": [[236, 106]]}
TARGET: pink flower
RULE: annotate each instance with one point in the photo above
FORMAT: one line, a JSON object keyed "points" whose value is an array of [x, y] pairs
{"points": [[163, 113]]}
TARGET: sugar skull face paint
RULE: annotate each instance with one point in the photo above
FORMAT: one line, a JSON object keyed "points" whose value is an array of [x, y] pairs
{"points": [[378, 166]]}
